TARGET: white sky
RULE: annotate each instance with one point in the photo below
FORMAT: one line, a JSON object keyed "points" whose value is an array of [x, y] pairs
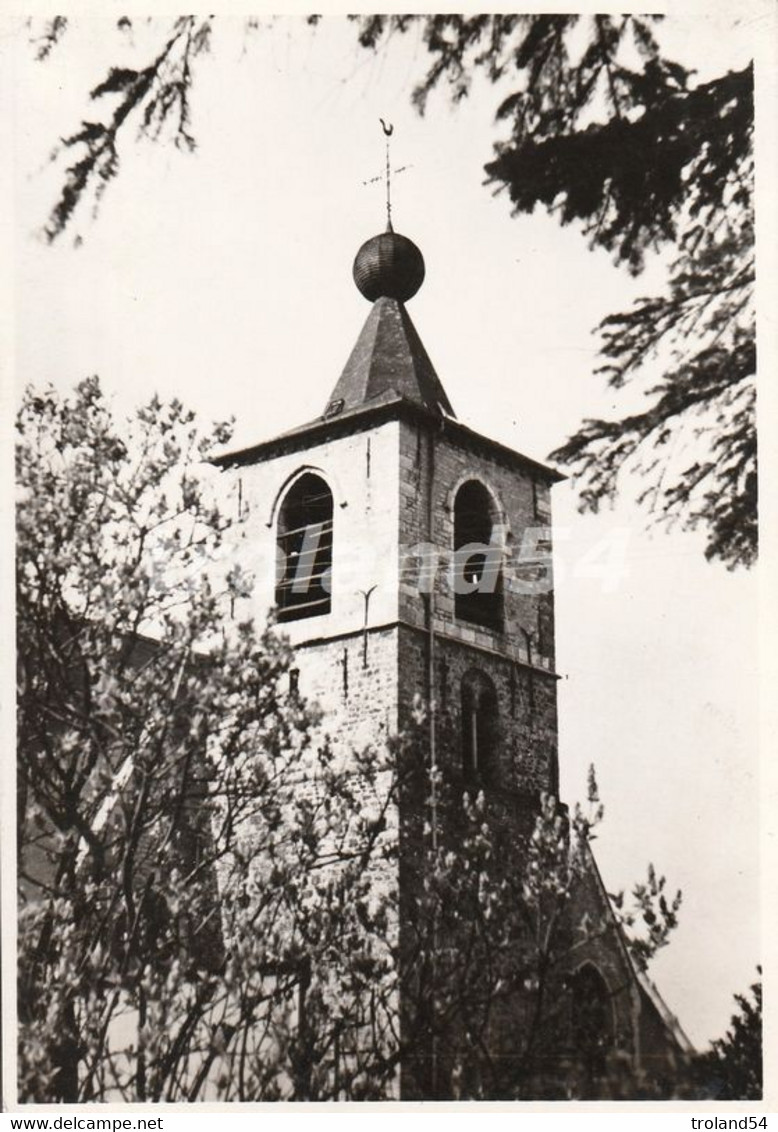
{"points": [[224, 278]]}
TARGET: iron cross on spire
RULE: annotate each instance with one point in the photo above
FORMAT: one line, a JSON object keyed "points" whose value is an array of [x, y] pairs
{"points": [[387, 174]]}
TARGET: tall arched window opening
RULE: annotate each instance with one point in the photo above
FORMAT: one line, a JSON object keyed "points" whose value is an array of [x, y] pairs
{"points": [[592, 1024], [478, 595], [480, 730], [304, 550]]}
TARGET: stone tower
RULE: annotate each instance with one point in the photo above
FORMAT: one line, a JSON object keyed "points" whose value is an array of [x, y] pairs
{"points": [[360, 523], [392, 540]]}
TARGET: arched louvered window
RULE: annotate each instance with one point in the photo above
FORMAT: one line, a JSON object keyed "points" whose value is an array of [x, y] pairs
{"points": [[480, 730], [592, 1023], [477, 558], [304, 554]]}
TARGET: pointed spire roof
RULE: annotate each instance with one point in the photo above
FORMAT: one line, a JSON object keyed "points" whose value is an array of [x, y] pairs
{"points": [[389, 374], [389, 361]]}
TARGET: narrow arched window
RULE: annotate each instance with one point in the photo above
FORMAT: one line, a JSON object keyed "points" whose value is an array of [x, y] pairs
{"points": [[592, 1023], [477, 573], [480, 730], [304, 550]]}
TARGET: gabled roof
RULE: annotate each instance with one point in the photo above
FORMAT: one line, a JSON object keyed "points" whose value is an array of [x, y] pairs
{"points": [[388, 362], [671, 1023]]}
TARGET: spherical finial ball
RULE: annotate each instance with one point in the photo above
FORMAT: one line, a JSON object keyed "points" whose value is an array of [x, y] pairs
{"points": [[389, 266]]}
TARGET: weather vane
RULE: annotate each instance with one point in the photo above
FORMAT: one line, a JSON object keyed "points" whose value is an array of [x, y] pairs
{"points": [[387, 174]]}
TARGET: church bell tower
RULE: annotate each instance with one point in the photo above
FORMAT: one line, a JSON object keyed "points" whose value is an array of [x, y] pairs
{"points": [[408, 559], [390, 540], [390, 536]]}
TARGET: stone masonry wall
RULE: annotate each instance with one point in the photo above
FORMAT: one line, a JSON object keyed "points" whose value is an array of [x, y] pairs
{"points": [[520, 659], [526, 727], [357, 694], [429, 460], [368, 665], [361, 471]]}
